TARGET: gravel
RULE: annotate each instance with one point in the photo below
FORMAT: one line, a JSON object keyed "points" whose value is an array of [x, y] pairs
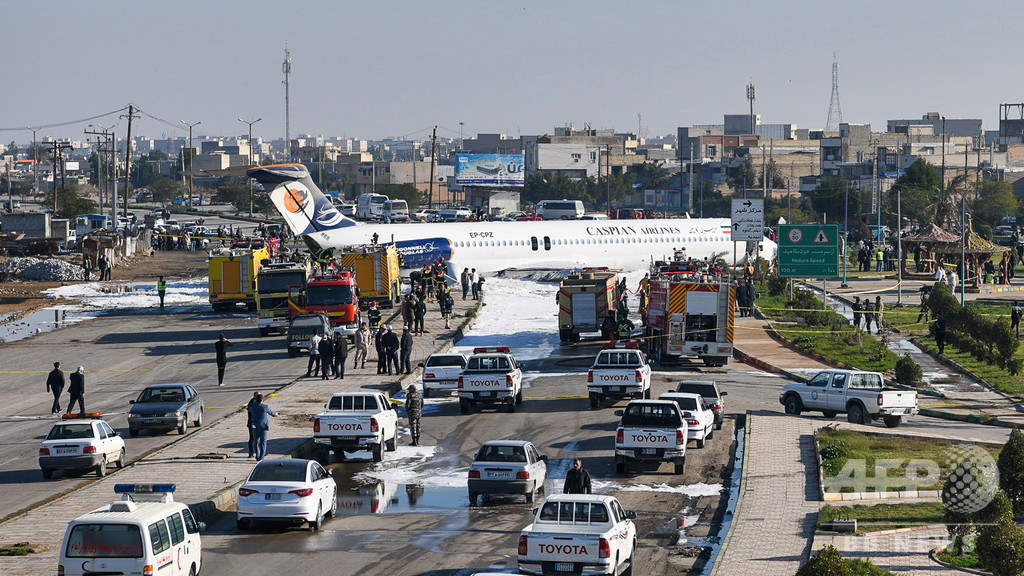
{"points": [[38, 269]]}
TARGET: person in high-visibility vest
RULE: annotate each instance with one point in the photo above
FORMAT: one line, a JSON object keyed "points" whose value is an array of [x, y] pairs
{"points": [[373, 315], [161, 289]]}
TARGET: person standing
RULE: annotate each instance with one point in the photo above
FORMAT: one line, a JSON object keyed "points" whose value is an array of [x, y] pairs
{"points": [[878, 314], [340, 356], [326, 349], [86, 266], [414, 410], [447, 305], [248, 424], [940, 331], [464, 279], [221, 347], [378, 343], [867, 315], [1015, 314], [407, 312], [101, 266], [879, 258], [77, 390], [259, 411], [474, 283], [161, 290], [577, 479], [313, 367], [373, 315], [391, 345], [55, 384], [405, 364], [855, 307], [419, 313], [362, 338]]}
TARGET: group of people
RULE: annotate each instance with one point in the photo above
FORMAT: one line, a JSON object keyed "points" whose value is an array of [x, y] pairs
{"points": [[867, 312], [746, 293], [471, 281], [103, 266], [327, 355], [55, 385], [883, 256]]}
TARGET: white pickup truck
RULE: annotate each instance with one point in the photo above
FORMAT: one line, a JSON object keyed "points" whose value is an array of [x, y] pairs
{"points": [[621, 371], [651, 430], [861, 395], [353, 421], [578, 534], [491, 376]]}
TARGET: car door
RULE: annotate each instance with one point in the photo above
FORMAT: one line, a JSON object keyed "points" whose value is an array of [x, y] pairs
{"points": [[111, 441], [815, 397], [322, 484], [705, 414], [102, 440], [195, 402], [538, 468], [836, 392]]}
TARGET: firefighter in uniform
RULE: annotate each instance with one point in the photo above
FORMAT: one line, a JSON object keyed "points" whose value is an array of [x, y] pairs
{"points": [[428, 281], [373, 315], [642, 296], [624, 329]]}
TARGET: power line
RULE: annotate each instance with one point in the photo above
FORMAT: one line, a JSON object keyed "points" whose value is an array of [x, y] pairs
{"points": [[68, 123]]}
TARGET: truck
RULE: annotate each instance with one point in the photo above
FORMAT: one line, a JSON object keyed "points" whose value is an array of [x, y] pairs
{"points": [[579, 534], [619, 371], [354, 421], [233, 277], [334, 295], [376, 270], [491, 376], [690, 316], [585, 298], [651, 430], [272, 285], [863, 396]]}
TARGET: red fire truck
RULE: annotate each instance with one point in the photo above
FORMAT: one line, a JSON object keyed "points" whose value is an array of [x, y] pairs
{"points": [[690, 316], [335, 295]]}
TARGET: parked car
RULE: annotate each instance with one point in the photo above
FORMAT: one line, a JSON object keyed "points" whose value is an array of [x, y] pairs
{"points": [[301, 328], [700, 420], [9, 203], [81, 442], [712, 395], [165, 407], [291, 491], [507, 467], [441, 373], [529, 218], [863, 396]]}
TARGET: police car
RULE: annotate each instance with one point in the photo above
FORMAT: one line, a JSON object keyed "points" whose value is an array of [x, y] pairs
{"points": [[81, 442], [145, 533]]}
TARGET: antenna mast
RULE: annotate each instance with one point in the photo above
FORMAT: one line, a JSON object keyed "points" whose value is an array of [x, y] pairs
{"points": [[286, 67], [835, 112]]}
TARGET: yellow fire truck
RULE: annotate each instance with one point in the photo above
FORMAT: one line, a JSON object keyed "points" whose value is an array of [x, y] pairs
{"points": [[376, 270], [690, 315], [233, 277]]}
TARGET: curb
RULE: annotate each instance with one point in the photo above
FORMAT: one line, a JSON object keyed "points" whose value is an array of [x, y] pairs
{"points": [[935, 558], [739, 496]]}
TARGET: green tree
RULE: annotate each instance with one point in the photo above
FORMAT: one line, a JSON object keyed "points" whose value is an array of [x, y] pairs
{"points": [[830, 198], [776, 180], [921, 195], [235, 191], [543, 185], [651, 176], [71, 204], [406, 192], [598, 190], [164, 190], [1011, 471], [715, 204], [825, 562], [742, 174], [994, 202], [1000, 548]]}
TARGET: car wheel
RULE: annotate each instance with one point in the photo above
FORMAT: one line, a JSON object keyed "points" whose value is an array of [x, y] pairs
{"points": [[101, 468], [628, 570], [242, 524], [378, 453], [291, 352], [317, 521], [199, 419], [855, 415], [120, 459], [531, 495], [647, 394], [392, 445], [718, 425], [703, 439], [463, 406], [793, 405], [711, 432], [679, 464], [333, 512], [511, 404], [264, 331], [519, 397], [595, 401], [472, 499], [892, 421], [183, 428], [620, 465], [192, 570], [47, 473], [426, 392], [133, 432]]}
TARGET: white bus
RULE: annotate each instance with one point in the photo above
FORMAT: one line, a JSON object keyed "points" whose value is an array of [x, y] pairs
{"points": [[396, 211], [370, 206], [560, 209]]}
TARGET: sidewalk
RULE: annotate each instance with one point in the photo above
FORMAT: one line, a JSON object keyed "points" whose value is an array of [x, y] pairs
{"points": [[210, 482]]}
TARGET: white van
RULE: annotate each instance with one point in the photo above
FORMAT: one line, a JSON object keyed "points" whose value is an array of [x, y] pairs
{"points": [[396, 211], [560, 209], [370, 206], [454, 215], [146, 533]]}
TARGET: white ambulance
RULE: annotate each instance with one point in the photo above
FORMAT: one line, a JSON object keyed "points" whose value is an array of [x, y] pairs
{"points": [[145, 533]]}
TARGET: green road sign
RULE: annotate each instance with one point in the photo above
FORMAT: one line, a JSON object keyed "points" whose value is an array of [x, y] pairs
{"points": [[809, 250]]}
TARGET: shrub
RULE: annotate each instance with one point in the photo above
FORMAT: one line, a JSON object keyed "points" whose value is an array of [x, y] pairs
{"points": [[1001, 549], [1011, 471], [826, 562], [908, 372], [777, 285]]}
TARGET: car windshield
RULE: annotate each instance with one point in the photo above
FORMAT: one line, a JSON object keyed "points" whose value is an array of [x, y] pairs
{"points": [[161, 395], [619, 359], [307, 322], [501, 454], [279, 472], [326, 295], [446, 361], [70, 432], [267, 282], [489, 363]]}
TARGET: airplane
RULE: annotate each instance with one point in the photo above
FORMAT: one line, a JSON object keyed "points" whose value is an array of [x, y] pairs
{"points": [[493, 247]]}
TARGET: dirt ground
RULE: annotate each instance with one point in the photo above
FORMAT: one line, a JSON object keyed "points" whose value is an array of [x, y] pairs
{"points": [[22, 297]]}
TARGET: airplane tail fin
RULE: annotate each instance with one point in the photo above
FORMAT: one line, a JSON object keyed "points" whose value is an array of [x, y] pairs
{"points": [[305, 208]]}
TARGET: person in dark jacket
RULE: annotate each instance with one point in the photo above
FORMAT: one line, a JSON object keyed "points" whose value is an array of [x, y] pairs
{"points": [[407, 312], [77, 390], [391, 345], [464, 279], [940, 331], [55, 384], [419, 313], [577, 480], [340, 355], [222, 358], [608, 326], [378, 342], [259, 411], [855, 307], [326, 349], [447, 305], [248, 424], [414, 410], [373, 315], [405, 364]]}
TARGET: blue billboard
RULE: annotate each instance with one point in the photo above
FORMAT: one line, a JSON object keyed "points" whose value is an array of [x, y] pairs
{"points": [[489, 169]]}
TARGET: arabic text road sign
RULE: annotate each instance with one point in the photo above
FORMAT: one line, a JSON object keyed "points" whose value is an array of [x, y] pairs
{"points": [[809, 251], [747, 219]]}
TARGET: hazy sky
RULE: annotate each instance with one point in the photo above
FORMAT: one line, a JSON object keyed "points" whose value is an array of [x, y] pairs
{"points": [[373, 69]]}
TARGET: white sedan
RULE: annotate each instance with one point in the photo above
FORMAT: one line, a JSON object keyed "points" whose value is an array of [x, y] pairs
{"points": [[700, 419], [507, 467], [81, 441], [289, 491]]}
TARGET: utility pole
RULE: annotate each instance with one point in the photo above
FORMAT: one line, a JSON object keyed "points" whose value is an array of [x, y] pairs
{"points": [[750, 96], [57, 150], [608, 173], [250, 123], [35, 162], [192, 157], [689, 208], [128, 156], [286, 67], [433, 148]]}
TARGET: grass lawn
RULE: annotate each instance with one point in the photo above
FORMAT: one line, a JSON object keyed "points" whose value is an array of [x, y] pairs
{"points": [[968, 560], [885, 516], [840, 448], [996, 377]]}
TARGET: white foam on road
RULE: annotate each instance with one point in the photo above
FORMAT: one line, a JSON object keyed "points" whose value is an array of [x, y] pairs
{"points": [[519, 314], [400, 467], [133, 296]]}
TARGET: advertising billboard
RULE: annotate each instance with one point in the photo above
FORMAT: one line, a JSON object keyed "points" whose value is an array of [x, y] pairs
{"points": [[489, 169]]}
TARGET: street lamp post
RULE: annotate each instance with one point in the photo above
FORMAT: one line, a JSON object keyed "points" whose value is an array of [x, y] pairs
{"points": [[460, 137], [191, 158], [35, 162], [250, 123]]}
